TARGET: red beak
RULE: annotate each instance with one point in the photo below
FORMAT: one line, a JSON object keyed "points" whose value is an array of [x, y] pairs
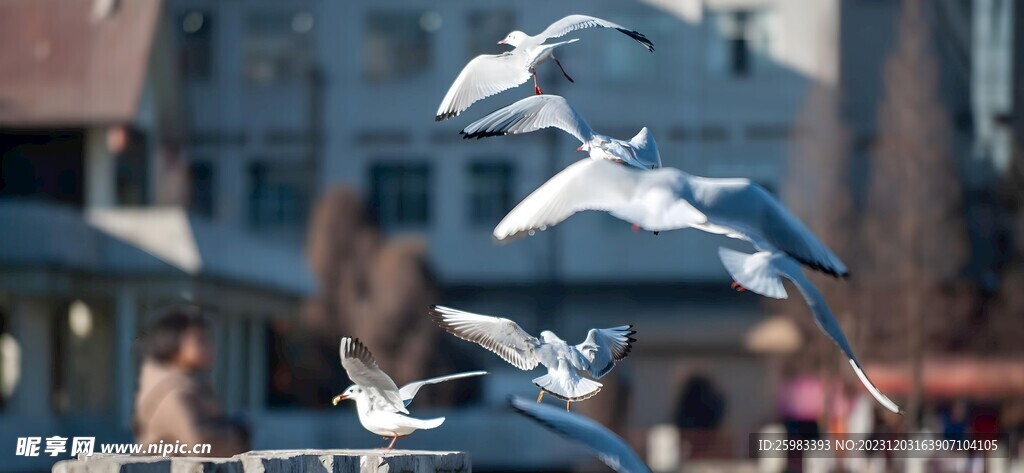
{"points": [[501, 42], [580, 148]]}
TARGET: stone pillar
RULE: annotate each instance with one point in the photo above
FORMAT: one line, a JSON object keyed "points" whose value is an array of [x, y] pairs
{"points": [[100, 170], [280, 461]]}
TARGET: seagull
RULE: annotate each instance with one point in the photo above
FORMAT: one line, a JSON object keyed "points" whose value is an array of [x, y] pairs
{"points": [[608, 447], [596, 356], [668, 199], [545, 111], [379, 402], [489, 74]]}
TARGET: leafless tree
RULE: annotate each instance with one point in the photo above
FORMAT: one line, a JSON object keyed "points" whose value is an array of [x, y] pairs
{"points": [[913, 233], [370, 287]]}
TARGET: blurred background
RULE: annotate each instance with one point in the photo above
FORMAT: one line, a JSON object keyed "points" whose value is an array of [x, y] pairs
{"points": [[277, 163]]}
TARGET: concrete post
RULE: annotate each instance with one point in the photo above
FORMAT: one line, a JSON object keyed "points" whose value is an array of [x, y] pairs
{"points": [[280, 461], [100, 170]]}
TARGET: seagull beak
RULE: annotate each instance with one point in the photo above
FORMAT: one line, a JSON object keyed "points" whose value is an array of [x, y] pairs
{"points": [[580, 148], [338, 398], [502, 42]]}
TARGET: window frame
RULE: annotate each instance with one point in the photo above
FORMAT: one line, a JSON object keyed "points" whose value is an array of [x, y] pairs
{"points": [[418, 216]]}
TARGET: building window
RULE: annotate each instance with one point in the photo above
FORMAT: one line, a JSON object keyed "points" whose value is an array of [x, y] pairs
{"points": [[279, 194], [740, 42], [490, 192], [195, 28], [131, 179], [202, 178], [400, 193], [486, 28], [398, 45], [277, 46]]}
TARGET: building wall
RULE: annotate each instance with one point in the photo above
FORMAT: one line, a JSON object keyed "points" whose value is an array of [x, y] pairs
{"points": [[709, 116], [706, 119]]}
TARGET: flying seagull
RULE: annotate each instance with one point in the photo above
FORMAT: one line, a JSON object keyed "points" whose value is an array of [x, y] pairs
{"points": [[546, 111], [596, 356], [489, 74], [607, 447], [380, 403], [669, 199]]}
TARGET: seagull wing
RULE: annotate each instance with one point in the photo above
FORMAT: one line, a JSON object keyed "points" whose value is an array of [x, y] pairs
{"points": [[501, 336], [828, 324], [531, 114], [649, 199], [608, 447], [578, 22], [606, 346], [362, 369], [788, 233], [409, 391], [767, 219], [483, 77]]}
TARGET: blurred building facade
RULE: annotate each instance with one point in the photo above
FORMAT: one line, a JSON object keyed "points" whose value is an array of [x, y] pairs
{"points": [[286, 101], [242, 113], [95, 242]]}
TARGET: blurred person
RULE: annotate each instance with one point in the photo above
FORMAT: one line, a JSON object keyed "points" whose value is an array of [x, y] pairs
{"points": [[175, 400], [954, 421]]}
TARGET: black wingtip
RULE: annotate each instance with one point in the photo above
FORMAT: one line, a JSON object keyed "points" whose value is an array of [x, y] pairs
{"points": [[444, 116], [481, 134], [640, 38]]}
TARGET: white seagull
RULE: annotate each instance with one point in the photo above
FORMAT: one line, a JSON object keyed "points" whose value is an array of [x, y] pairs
{"points": [[669, 199], [608, 447], [545, 111], [596, 356], [379, 402], [489, 74]]}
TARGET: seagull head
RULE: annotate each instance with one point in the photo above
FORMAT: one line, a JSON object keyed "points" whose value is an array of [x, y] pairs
{"points": [[514, 39], [352, 392]]}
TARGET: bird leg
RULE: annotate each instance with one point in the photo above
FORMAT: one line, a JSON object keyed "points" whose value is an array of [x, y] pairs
{"points": [[393, 439], [737, 286], [563, 69], [566, 406], [540, 396], [536, 88], [635, 227]]}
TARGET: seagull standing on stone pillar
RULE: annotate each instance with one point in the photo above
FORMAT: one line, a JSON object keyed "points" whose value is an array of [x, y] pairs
{"points": [[381, 405]]}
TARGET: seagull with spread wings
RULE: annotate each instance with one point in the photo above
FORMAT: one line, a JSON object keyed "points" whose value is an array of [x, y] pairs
{"points": [[552, 111], [380, 403], [596, 356], [489, 74], [670, 199]]}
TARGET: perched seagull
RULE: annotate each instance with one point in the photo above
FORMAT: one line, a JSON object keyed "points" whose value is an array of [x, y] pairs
{"points": [[607, 447], [669, 199], [489, 74], [596, 356], [545, 111], [379, 402]]}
